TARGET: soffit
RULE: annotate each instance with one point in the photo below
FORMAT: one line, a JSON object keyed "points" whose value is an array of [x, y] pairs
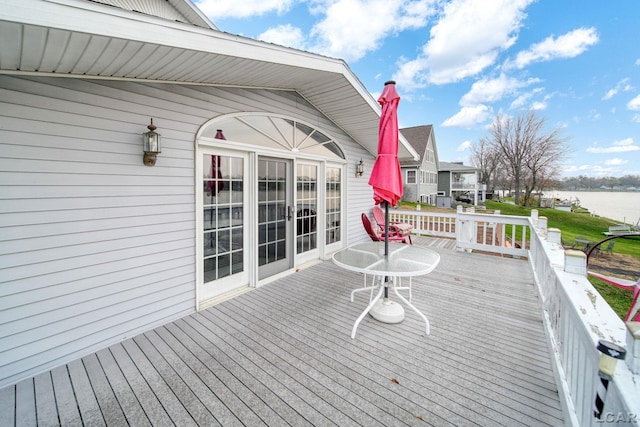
{"points": [[75, 38]]}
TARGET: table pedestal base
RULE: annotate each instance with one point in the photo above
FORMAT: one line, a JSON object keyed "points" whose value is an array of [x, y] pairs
{"points": [[387, 311]]}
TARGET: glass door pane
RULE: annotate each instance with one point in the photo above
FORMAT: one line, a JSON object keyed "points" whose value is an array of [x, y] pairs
{"points": [[307, 208], [223, 216], [274, 216], [334, 205]]}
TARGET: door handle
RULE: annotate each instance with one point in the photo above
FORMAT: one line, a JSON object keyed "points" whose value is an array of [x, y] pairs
{"points": [[289, 212]]}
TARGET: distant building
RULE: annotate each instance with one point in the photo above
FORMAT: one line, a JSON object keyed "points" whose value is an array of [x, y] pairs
{"points": [[420, 176], [459, 182]]}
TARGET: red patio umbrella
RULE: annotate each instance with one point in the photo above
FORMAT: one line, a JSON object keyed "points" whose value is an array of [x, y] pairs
{"points": [[386, 177], [386, 180]]}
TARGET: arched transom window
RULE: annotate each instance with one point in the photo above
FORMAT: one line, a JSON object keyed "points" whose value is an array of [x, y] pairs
{"points": [[275, 132]]}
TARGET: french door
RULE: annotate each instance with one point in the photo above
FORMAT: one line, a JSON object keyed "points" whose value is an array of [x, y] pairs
{"points": [[275, 216], [224, 222]]}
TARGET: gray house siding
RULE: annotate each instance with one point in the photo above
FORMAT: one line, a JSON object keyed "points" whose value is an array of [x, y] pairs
{"points": [[95, 246], [411, 192], [422, 138], [444, 183]]}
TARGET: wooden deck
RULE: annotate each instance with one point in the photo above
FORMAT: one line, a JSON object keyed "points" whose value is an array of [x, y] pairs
{"points": [[282, 355]]}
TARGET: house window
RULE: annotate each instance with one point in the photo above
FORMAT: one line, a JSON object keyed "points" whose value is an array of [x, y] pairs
{"points": [[411, 177], [430, 156], [223, 213], [307, 205], [334, 204]]}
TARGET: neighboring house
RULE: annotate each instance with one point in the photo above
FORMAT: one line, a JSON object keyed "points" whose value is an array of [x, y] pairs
{"points": [[96, 246], [458, 182], [420, 176]]}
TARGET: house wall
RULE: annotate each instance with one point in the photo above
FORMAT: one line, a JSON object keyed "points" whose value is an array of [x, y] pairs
{"points": [[444, 182], [410, 191], [428, 163], [95, 246]]}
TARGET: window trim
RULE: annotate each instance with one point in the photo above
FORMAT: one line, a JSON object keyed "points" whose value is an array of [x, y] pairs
{"points": [[411, 172]]}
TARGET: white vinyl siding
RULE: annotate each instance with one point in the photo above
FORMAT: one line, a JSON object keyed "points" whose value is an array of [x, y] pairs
{"points": [[96, 247]]}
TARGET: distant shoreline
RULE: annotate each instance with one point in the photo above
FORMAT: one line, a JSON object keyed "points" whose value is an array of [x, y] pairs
{"points": [[620, 206]]}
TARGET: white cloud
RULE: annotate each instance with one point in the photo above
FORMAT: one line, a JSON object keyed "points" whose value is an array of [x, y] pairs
{"points": [[284, 35], [596, 170], [467, 39], [634, 104], [491, 90], [520, 101], [352, 28], [622, 146], [616, 162], [624, 142], [568, 45], [609, 94], [539, 105], [523, 98], [216, 9], [577, 168], [347, 29], [468, 117], [622, 85], [464, 146]]}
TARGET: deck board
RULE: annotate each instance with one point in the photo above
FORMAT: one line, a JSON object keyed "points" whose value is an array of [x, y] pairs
{"points": [[282, 355]]}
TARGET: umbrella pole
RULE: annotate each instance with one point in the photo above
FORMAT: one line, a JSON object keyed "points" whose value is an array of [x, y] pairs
{"points": [[386, 244], [385, 310]]}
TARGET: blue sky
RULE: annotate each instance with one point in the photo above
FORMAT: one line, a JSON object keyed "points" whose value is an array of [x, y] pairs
{"points": [[458, 63]]}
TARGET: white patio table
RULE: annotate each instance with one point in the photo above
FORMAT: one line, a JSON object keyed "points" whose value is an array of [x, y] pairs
{"points": [[402, 261]]}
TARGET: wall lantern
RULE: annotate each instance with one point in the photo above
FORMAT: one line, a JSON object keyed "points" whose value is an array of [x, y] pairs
{"points": [[359, 168], [151, 145]]}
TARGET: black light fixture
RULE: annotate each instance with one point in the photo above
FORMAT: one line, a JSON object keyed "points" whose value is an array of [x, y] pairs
{"points": [[151, 145], [359, 168]]}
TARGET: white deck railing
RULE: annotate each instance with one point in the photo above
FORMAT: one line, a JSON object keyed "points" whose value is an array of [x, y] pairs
{"points": [[576, 317], [439, 224], [495, 233]]}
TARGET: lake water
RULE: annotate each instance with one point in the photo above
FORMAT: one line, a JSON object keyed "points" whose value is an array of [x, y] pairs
{"points": [[620, 206]]}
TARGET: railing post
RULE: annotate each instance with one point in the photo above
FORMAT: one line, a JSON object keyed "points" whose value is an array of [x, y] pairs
{"points": [[633, 347], [575, 262], [464, 230], [498, 238], [554, 235], [534, 217], [542, 224]]}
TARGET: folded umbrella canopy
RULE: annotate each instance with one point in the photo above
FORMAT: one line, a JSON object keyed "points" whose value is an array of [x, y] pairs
{"points": [[386, 180], [386, 177]]}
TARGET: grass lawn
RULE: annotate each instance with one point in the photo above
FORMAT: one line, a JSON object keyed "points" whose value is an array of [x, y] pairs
{"points": [[572, 225]]}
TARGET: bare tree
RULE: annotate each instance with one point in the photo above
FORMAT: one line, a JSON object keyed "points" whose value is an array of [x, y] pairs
{"points": [[485, 158], [529, 152]]}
